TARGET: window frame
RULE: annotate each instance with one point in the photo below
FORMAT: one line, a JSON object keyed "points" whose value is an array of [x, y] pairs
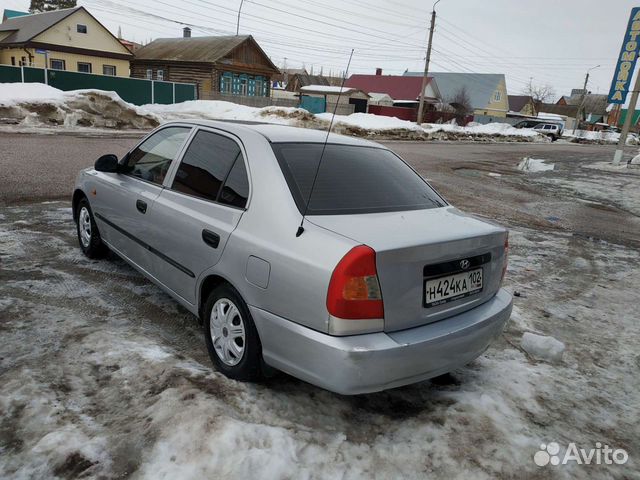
{"points": [[148, 74], [84, 63], [171, 173], [108, 74], [80, 27], [171, 169], [64, 64], [160, 75], [497, 96], [300, 202]]}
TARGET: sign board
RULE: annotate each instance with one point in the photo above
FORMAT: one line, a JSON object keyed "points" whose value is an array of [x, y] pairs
{"points": [[42, 52], [626, 60]]}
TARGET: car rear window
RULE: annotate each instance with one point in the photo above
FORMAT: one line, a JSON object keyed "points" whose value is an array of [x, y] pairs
{"points": [[352, 179]]}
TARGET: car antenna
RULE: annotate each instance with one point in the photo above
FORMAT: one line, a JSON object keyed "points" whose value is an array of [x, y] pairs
{"points": [[324, 146]]}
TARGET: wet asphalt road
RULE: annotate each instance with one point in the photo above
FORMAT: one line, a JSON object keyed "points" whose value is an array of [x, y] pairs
{"points": [[43, 167]]}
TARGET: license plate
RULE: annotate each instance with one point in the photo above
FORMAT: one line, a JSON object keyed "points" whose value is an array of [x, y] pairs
{"points": [[452, 287]]}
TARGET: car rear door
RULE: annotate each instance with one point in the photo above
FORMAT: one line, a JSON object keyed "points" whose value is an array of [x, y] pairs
{"points": [[193, 218], [122, 201]]}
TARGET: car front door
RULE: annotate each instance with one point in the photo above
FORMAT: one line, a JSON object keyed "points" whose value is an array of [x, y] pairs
{"points": [[195, 215], [122, 201]]}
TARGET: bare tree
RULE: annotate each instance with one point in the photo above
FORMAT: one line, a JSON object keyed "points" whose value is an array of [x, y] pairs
{"points": [[540, 93], [461, 102]]}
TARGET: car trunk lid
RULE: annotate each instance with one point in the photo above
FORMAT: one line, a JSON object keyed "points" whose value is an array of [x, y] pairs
{"points": [[418, 245]]}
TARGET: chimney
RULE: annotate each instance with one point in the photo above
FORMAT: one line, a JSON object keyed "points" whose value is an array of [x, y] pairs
{"points": [[378, 71], [186, 32]]}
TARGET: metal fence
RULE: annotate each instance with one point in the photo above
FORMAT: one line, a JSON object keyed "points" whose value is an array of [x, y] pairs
{"points": [[132, 90]]}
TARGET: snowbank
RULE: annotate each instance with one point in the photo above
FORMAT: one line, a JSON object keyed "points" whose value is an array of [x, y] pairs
{"points": [[475, 131], [534, 165], [541, 347], [34, 104]]}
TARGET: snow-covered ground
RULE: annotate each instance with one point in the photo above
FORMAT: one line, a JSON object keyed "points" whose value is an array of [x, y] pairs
{"points": [[102, 375], [35, 106]]}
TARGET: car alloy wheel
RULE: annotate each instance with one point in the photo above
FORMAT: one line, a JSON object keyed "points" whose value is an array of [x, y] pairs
{"points": [[84, 224], [227, 332]]}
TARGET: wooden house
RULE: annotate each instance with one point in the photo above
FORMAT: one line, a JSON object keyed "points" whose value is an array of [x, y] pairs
{"points": [[226, 65]]}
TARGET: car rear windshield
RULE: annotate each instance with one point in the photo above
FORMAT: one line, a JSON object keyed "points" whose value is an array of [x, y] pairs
{"points": [[352, 179]]}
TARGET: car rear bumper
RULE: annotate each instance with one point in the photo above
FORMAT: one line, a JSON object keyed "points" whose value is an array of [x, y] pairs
{"points": [[378, 361]]}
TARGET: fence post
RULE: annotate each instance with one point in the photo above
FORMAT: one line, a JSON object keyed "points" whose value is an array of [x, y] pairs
{"points": [[152, 93], [22, 73], [174, 92]]}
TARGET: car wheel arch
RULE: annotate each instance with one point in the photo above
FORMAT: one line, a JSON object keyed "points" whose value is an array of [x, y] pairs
{"points": [[208, 285], [77, 196]]}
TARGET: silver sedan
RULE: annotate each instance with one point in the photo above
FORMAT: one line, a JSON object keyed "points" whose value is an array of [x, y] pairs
{"points": [[336, 263]]}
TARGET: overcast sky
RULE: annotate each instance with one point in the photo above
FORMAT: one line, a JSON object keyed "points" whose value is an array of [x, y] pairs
{"points": [[552, 41]]}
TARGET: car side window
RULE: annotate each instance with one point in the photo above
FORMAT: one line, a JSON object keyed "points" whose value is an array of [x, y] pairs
{"points": [[207, 164], [236, 188], [151, 159]]}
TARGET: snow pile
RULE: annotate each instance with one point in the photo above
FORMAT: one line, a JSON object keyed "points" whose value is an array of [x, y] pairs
{"points": [[534, 165], [221, 110], [36, 104], [603, 137], [476, 131], [541, 347]]}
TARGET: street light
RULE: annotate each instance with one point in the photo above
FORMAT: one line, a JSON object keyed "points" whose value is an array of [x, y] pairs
{"points": [[238, 23], [584, 92], [426, 64]]}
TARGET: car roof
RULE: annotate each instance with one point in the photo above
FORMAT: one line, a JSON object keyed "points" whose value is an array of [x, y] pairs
{"points": [[281, 133]]}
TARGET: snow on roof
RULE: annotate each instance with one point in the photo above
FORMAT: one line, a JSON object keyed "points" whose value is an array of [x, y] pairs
{"points": [[551, 116], [379, 96], [326, 89]]}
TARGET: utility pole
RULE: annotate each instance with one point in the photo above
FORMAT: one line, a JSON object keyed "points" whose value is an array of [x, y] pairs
{"points": [[617, 156], [584, 92], [426, 64]]}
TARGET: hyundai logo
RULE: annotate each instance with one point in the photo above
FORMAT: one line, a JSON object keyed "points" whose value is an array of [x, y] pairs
{"points": [[464, 264]]}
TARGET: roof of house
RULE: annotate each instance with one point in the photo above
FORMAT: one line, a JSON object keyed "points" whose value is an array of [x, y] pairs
{"points": [[397, 87], [12, 14], [479, 86], [195, 49], [593, 103], [329, 89], [518, 102], [28, 26], [566, 110], [304, 80]]}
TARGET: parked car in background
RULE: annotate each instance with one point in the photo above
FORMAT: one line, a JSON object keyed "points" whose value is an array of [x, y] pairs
{"points": [[386, 285], [551, 130], [534, 123]]}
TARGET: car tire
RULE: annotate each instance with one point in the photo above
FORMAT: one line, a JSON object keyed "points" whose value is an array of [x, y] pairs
{"points": [[87, 231], [231, 336]]}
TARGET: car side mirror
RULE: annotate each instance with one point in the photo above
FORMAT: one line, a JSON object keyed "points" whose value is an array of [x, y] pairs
{"points": [[107, 163]]}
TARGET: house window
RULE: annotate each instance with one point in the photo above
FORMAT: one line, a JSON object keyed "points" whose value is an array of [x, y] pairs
{"points": [[13, 60], [259, 88], [225, 83], [23, 61], [84, 67], [81, 28], [160, 75], [149, 74], [109, 70], [243, 86], [57, 64], [497, 96]]}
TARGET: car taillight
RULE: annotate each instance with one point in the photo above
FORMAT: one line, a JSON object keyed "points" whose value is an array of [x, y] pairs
{"points": [[354, 290], [506, 257]]}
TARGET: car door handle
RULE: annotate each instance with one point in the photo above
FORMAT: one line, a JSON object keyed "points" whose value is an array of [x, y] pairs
{"points": [[141, 206], [210, 238]]}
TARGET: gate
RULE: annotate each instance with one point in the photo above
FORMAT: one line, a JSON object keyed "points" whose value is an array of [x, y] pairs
{"points": [[313, 104]]}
